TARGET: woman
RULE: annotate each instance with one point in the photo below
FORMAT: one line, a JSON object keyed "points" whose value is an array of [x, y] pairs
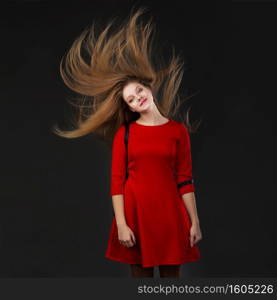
{"points": [[155, 219]]}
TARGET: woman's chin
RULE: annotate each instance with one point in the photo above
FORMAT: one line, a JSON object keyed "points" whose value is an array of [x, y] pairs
{"points": [[147, 106]]}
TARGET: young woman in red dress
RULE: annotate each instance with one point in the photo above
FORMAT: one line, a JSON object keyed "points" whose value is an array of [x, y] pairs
{"points": [[155, 220]]}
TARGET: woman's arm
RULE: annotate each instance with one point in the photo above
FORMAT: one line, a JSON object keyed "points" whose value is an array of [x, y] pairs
{"points": [[183, 165], [184, 173], [186, 188], [195, 231], [190, 203], [118, 207], [118, 175]]}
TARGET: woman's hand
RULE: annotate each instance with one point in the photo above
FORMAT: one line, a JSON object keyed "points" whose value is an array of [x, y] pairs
{"points": [[195, 234], [126, 236]]}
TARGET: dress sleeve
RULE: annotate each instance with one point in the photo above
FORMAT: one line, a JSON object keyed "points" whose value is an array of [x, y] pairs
{"points": [[184, 163], [118, 163]]}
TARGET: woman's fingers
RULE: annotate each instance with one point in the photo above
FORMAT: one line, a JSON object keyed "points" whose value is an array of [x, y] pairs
{"points": [[133, 237], [195, 235], [192, 240], [195, 238], [130, 242]]}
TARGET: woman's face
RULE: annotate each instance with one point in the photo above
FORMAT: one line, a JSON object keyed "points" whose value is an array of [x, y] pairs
{"points": [[137, 96]]}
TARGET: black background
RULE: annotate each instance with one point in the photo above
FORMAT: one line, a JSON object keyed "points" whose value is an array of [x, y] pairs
{"points": [[55, 212]]}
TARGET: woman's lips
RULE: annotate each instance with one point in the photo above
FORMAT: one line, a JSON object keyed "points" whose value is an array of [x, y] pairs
{"points": [[143, 101]]}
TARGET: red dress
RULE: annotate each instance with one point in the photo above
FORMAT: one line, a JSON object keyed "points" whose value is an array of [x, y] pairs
{"points": [[159, 158]]}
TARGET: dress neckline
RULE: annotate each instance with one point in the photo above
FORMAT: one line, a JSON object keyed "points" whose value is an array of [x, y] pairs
{"points": [[159, 125]]}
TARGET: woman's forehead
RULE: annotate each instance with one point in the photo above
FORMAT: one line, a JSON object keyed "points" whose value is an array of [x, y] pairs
{"points": [[130, 88]]}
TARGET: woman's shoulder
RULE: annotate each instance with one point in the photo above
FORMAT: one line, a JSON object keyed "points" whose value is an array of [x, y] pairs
{"points": [[119, 131], [178, 124], [181, 128]]}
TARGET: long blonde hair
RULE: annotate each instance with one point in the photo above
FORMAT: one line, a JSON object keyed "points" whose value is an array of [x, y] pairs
{"points": [[112, 61]]}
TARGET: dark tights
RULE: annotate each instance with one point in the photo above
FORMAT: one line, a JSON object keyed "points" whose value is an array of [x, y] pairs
{"points": [[173, 271]]}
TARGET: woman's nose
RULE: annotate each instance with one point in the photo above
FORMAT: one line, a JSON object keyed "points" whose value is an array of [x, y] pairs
{"points": [[140, 99]]}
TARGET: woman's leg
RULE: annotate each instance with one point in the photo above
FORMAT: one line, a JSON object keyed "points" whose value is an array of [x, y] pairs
{"points": [[138, 271], [173, 271]]}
